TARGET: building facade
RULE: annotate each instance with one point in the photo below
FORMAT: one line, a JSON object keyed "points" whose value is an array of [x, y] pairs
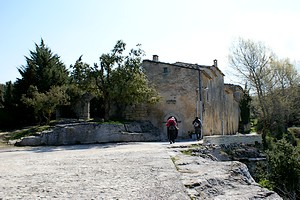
{"points": [[190, 90]]}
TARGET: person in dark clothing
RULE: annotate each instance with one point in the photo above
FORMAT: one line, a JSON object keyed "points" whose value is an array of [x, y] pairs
{"points": [[197, 125], [172, 129]]}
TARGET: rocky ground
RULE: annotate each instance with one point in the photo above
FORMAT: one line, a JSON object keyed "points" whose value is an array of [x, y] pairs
{"points": [[205, 176], [122, 171]]}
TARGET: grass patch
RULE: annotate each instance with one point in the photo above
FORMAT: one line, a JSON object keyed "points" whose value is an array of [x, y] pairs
{"points": [[27, 132], [112, 122], [191, 149], [174, 159], [187, 152]]}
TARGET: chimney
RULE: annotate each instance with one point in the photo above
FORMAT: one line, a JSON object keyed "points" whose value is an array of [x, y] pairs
{"points": [[155, 58], [215, 63]]}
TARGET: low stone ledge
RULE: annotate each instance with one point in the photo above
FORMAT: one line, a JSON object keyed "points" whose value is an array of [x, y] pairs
{"points": [[90, 133], [230, 139]]}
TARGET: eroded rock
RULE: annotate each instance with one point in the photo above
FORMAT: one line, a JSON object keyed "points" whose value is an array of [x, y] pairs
{"points": [[206, 177]]}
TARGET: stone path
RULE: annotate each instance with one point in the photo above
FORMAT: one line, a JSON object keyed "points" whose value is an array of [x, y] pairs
{"points": [[107, 171]]}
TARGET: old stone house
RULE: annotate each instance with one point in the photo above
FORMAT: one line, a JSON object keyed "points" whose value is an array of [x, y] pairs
{"points": [[190, 90]]}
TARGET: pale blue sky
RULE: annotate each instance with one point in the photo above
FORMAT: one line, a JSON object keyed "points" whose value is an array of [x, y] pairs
{"points": [[194, 31]]}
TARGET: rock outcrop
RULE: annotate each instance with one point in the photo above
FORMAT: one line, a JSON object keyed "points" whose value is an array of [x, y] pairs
{"points": [[91, 133], [206, 177]]}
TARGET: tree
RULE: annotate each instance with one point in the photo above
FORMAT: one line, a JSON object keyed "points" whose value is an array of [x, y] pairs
{"points": [[43, 70], [120, 80], [82, 85], [81, 76], [102, 74], [275, 83], [284, 90], [8, 95], [2, 91], [284, 169], [251, 61], [9, 110], [131, 85], [276, 91], [44, 104]]}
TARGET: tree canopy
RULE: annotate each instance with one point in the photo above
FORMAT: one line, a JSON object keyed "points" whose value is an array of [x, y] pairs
{"points": [[275, 85], [43, 69], [274, 82], [120, 80]]}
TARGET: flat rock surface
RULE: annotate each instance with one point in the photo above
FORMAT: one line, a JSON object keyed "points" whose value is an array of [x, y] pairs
{"points": [[122, 171], [103, 171]]}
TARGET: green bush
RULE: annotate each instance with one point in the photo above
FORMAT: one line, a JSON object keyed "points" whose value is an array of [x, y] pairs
{"points": [[284, 168], [266, 184]]}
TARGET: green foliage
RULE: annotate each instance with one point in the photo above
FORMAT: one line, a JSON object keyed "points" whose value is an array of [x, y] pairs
{"points": [[120, 80], [2, 91], [130, 84], [81, 76], [253, 125], [112, 122], [102, 74], [245, 107], [44, 104], [188, 152], [43, 70], [295, 132], [6, 96], [284, 168], [275, 84], [12, 114], [45, 84], [266, 184], [27, 132]]}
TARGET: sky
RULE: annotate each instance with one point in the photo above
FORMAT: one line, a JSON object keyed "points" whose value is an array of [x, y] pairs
{"points": [[192, 31]]}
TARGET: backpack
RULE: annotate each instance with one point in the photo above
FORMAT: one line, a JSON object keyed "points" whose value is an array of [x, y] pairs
{"points": [[196, 124], [172, 128]]}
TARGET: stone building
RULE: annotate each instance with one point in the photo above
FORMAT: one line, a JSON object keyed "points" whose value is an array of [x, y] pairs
{"points": [[190, 90]]}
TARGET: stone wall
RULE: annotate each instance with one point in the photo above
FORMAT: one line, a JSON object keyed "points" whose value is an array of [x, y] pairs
{"points": [[178, 96], [179, 85], [136, 112], [231, 139]]}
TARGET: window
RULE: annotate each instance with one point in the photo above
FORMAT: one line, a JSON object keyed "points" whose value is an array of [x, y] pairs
{"points": [[165, 70]]}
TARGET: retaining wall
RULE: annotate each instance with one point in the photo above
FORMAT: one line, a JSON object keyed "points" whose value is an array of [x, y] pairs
{"points": [[230, 139], [89, 133]]}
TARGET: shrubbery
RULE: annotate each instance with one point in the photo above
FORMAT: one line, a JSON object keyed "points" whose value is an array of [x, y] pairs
{"points": [[283, 166]]}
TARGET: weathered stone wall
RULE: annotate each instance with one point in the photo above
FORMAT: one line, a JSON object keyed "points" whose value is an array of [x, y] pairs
{"points": [[232, 109], [213, 103], [177, 88], [89, 133], [82, 107], [136, 112], [231, 139], [178, 85]]}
